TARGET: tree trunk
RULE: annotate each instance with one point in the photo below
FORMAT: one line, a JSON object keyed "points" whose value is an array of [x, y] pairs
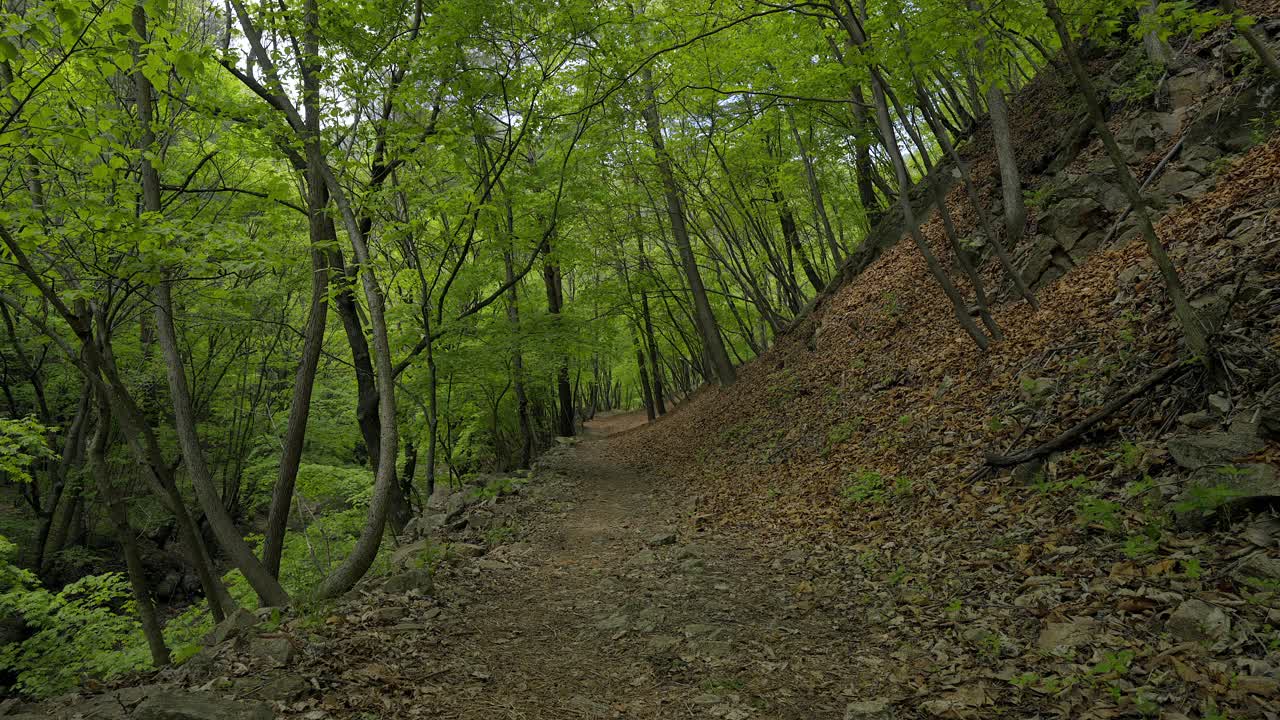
{"points": [[856, 39], [263, 583], [1192, 329], [706, 319], [1264, 53], [517, 364], [565, 426], [815, 190], [304, 379], [119, 518], [1006, 261]]}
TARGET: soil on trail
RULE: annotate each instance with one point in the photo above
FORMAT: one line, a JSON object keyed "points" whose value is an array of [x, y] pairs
{"points": [[611, 605]]}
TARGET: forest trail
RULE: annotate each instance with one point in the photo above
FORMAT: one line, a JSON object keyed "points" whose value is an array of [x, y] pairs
{"points": [[612, 605]]}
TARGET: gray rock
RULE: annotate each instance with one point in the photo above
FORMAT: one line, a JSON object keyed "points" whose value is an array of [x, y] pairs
{"points": [[467, 550], [663, 643], [644, 557], [1028, 473], [692, 565], [175, 705], [1198, 621], [233, 626], [1197, 451], [417, 579], [279, 651], [877, 709], [1056, 637], [665, 537], [388, 615], [406, 555], [1186, 87], [1258, 571], [1174, 183], [458, 503], [1223, 490], [271, 688], [487, 564], [1201, 420]]}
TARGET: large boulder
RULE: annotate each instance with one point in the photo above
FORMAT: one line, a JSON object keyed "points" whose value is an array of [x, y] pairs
{"points": [[1217, 448], [1226, 490]]}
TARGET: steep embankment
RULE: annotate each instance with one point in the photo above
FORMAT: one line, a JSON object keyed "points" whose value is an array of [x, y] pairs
{"points": [[1083, 586]]}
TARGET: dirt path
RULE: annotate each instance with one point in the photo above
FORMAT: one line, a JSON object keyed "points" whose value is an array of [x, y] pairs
{"points": [[610, 605]]}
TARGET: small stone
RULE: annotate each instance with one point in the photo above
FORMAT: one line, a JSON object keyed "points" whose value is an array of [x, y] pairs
{"points": [[487, 564], [467, 550], [692, 565], [1220, 402], [1067, 635], [388, 614], [416, 579], [405, 555], [663, 538], [614, 622], [1254, 685], [1258, 571], [174, 705], [713, 649], [1198, 621], [869, 710], [644, 557], [1201, 420], [1224, 490], [278, 650], [663, 643], [234, 625], [1029, 472]]}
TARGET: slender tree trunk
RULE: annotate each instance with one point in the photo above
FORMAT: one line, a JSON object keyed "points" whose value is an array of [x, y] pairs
{"points": [[984, 220], [706, 319], [565, 425], [266, 586], [1192, 329], [1259, 45], [517, 363], [815, 190], [646, 390], [304, 380], [857, 39], [119, 518], [433, 409]]}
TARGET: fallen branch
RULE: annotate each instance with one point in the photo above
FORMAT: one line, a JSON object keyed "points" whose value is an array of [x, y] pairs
{"points": [[1168, 372]]}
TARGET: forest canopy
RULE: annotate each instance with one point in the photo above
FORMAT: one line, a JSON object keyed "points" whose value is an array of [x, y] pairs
{"points": [[271, 271]]}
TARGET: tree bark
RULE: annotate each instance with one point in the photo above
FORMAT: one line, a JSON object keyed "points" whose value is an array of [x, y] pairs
{"points": [[1193, 331], [119, 518], [706, 319], [266, 586], [565, 426], [517, 362]]}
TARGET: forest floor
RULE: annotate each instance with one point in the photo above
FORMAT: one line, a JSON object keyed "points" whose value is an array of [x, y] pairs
{"points": [[611, 604]]}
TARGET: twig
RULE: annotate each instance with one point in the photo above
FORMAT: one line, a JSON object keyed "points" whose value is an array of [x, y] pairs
{"points": [[1168, 372]]}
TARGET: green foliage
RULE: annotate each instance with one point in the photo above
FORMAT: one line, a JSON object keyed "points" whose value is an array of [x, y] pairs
{"points": [[1093, 510], [840, 434], [22, 442], [85, 629], [864, 486]]}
